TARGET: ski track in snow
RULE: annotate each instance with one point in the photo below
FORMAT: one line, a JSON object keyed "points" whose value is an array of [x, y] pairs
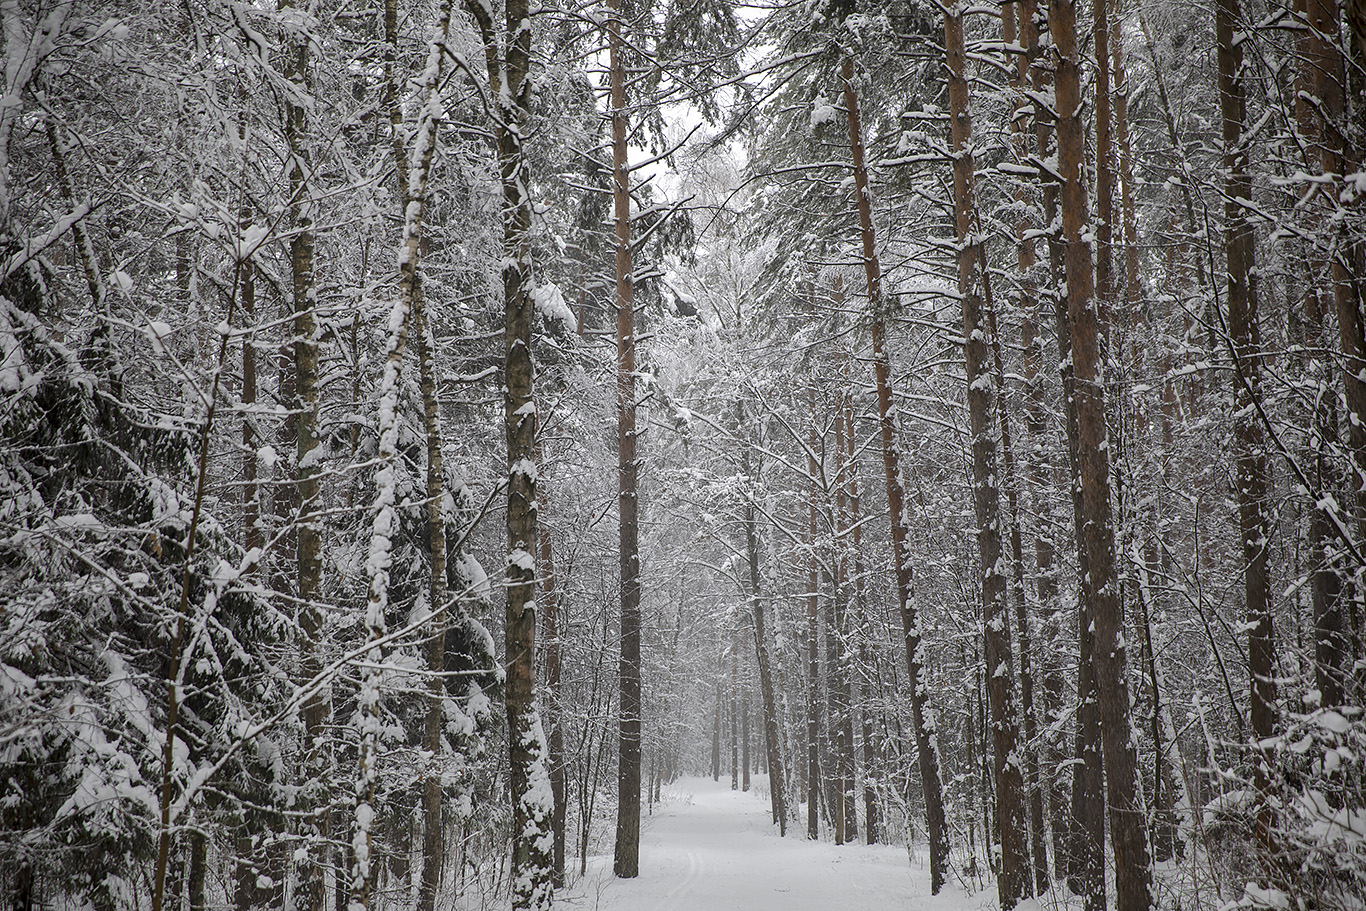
{"points": [[708, 848]]}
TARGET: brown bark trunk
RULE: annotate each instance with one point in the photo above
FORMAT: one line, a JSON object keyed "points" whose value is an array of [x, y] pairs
{"points": [[1250, 466], [813, 661], [1095, 534], [1027, 37], [1032, 340], [626, 856], [772, 745], [199, 861], [744, 737], [1323, 128], [926, 749], [853, 529], [840, 658], [554, 709], [716, 732], [1086, 820], [1013, 880], [735, 709]]}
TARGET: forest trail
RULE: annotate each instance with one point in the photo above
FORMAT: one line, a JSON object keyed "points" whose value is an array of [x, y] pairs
{"points": [[708, 848]]}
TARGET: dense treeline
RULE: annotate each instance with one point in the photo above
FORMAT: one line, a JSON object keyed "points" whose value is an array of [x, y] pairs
{"points": [[950, 420]]}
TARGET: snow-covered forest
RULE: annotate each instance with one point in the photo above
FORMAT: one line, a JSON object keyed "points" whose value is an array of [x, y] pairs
{"points": [[429, 428]]}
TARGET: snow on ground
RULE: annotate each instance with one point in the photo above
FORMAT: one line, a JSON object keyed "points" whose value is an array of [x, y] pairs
{"points": [[708, 848]]}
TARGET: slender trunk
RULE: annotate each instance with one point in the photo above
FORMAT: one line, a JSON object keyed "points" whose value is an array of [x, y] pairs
{"points": [[1033, 341], [1027, 36], [926, 748], [1095, 535], [1320, 109], [716, 732], [507, 54], [853, 529], [433, 832], [813, 661], [310, 894], [554, 708], [1104, 222], [1086, 823], [626, 858], [253, 538], [744, 738], [1013, 881], [408, 308], [1250, 465], [1133, 282], [1165, 844], [734, 709], [840, 657], [772, 745]]}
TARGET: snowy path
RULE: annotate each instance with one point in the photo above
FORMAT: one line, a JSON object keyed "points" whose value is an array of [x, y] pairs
{"points": [[708, 848]]}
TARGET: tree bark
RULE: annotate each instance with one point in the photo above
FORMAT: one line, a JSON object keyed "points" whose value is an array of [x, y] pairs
{"points": [[1250, 465], [1013, 879], [507, 54], [626, 857], [1320, 108], [926, 748], [839, 634], [1033, 341], [812, 598], [310, 894], [772, 744], [1027, 37], [848, 470], [1095, 534], [554, 710]]}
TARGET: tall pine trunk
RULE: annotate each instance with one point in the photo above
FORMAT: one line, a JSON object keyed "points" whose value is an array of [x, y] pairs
{"points": [[1013, 879], [626, 856], [1095, 531], [1250, 465], [551, 608], [812, 597], [772, 743], [927, 750]]}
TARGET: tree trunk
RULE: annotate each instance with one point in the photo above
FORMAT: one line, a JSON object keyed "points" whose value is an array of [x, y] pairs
{"points": [[1250, 466], [1320, 105], [199, 861], [735, 708], [533, 867], [554, 710], [716, 732], [772, 744], [1013, 880], [1033, 341], [310, 894], [1027, 37], [626, 858], [812, 597], [1086, 821], [839, 633], [1095, 534], [925, 735], [848, 470]]}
